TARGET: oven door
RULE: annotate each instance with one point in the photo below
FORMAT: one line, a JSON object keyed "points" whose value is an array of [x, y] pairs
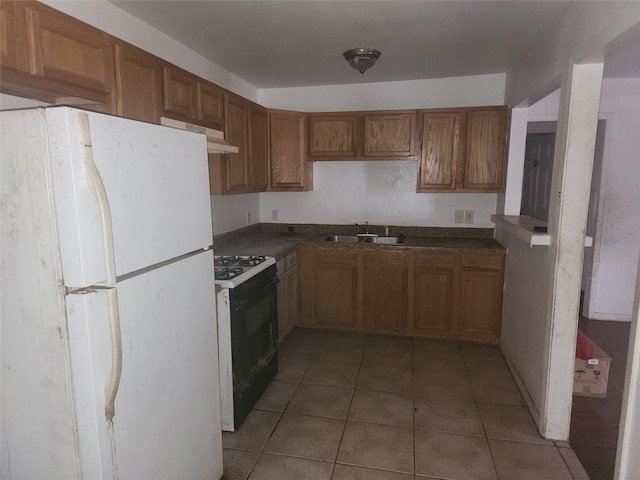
{"points": [[254, 339]]}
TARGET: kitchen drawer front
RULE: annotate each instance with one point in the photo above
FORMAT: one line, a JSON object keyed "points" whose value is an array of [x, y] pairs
{"points": [[491, 262], [435, 260]]}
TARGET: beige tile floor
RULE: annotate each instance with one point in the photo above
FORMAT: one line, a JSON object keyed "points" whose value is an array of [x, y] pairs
{"points": [[364, 407]]}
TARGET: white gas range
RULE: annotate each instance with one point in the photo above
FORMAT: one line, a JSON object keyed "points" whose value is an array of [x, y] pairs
{"points": [[247, 332], [232, 270]]}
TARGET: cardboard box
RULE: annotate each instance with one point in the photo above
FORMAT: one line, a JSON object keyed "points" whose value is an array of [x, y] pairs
{"points": [[590, 377]]}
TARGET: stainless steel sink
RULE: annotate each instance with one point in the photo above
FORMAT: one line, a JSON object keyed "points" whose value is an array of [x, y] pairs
{"points": [[365, 239], [387, 240], [344, 238]]}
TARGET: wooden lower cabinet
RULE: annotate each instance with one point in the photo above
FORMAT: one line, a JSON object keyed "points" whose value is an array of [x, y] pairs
{"points": [[434, 292], [385, 291], [480, 304], [287, 295], [439, 295], [328, 287]]}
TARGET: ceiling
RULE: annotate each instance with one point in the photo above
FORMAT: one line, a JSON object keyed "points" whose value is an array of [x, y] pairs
{"points": [[274, 44]]}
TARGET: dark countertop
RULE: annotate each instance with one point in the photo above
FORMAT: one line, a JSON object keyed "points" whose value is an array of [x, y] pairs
{"points": [[257, 240]]}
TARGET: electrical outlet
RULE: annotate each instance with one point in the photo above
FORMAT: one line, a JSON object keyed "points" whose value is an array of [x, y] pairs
{"points": [[468, 216], [459, 216], [274, 214]]}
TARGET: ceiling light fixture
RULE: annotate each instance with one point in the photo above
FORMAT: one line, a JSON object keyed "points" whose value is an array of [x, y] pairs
{"points": [[362, 58]]}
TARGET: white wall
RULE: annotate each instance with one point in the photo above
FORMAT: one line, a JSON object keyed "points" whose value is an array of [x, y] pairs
{"points": [[616, 245], [380, 192], [469, 91], [231, 212], [580, 35]]}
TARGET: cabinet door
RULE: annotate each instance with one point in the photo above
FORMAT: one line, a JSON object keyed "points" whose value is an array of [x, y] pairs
{"points": [[481, 284], [237, 170], [258, 118], [385, 284], [138, 84], [328, 285], [435, 288], [287, 159], [66, 56], [211, 105], [389, 136], [440, 151], [180, 94], [8, 47], [485, 150], [334, 136]]}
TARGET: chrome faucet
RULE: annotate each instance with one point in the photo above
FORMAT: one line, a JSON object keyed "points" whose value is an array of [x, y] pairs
{"points": [[365, 230]]}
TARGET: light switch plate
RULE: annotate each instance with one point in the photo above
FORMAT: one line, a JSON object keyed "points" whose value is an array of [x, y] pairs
{"points": [[459, 216], [468, 216]]}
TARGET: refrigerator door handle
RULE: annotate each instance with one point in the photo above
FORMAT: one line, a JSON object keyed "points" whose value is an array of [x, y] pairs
{"points": [[113, 382], [97, 185]]}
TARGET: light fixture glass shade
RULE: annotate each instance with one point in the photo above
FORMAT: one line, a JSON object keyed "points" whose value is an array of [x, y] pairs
{"points": [[362, 58]]}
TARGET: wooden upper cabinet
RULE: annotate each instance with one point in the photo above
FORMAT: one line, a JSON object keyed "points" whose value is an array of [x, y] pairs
{"points": [[440, 150], [289, 169], [463, 150], [259, 137], [246, 127], [180, 94], [54, 57], [237, 168], [486, 148], [334, 135], [191, 99], [362, 135], [211, 105], [138, 84], [390, 135], [8, 40]]}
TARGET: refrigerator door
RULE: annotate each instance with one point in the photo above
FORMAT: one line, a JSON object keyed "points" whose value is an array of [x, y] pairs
{"points": [[128, 194], [166, 413]]}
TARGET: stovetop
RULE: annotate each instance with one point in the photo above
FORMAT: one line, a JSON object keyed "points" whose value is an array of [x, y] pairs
{"points": [[230, 271]]}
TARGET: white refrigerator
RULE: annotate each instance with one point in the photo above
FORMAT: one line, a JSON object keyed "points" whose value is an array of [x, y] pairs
{"points": [[108, 328]]}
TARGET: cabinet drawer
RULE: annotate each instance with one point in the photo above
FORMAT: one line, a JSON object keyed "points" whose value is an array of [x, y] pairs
{"points": [[493, 262], [387, 260], [435, 260]]}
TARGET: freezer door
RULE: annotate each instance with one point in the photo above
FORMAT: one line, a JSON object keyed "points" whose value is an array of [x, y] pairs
{"points": [[128, 194], [165, 422]]}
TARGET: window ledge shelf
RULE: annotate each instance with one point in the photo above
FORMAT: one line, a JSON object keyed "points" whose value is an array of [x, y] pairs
{"points": [[522, 227]]}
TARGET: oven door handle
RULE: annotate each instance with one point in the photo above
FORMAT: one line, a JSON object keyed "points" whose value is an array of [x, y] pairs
{"points": [[240, 304]]}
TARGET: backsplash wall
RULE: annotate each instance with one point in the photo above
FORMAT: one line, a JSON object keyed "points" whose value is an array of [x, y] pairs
{"points": [[380, 192]]}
